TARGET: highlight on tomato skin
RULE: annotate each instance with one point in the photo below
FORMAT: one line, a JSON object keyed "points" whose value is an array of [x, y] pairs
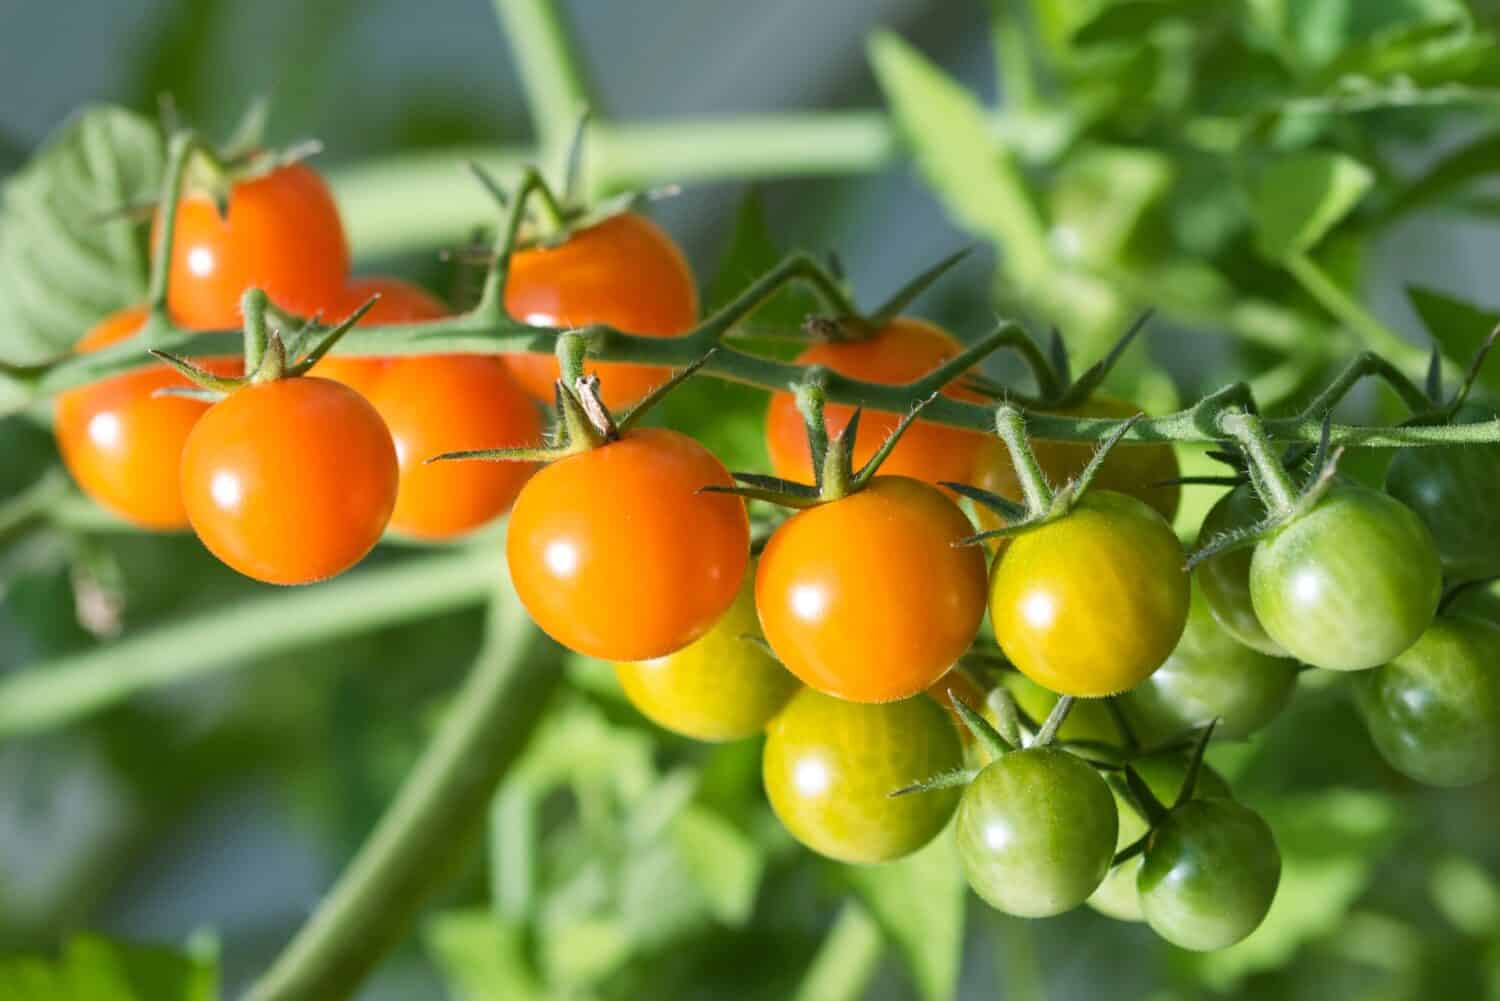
{"points": [[625, 272], [120, 442]]}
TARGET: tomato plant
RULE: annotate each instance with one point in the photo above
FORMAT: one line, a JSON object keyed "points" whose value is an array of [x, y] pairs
{"points": [[1225, 578]]}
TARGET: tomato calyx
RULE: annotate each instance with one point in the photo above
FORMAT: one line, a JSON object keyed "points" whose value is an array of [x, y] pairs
{"points": [[850, 325], [1137, 793]]}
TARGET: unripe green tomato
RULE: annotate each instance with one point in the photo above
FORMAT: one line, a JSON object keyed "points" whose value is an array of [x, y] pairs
{"points": [[1209, 874], [722, 686], [1455, 490], [1036, 832], [1210, 675], [1225, 578], [829, 767], [1164, 773], [1350, 584], [1434, 711]]}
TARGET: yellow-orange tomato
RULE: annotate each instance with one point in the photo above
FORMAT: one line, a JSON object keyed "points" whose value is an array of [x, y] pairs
{"points": [[617, 555], [122, 445], [867, 598], [399, 302], [625, 272], [281, 234], [903, 350], [1092, 603], [1128, 469], [290, 481]]}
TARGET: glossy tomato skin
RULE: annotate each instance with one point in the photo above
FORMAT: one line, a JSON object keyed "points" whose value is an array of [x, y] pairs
{"points": [[616, 554], [1134, 470], [1455, 490], [1210, 675], [121, 444], [282, 234], [722, 686], [1164, 772], [290, 481], [625, 272], [1091, 604], [1209, 874], [1348, 585], [903, 350], [400, 302], [830, 766], [1434, 711], [867, 597], [1225, 578], [1036, 832]]}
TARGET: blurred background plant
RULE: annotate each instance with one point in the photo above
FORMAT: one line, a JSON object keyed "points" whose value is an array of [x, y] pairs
{"points": [[1287, 181]]}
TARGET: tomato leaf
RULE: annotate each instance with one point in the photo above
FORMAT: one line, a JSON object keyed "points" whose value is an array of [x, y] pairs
{"points": [[1298, 198], [67, 255], [482, 958], [1457, 327], [919, 904], [92, 968]]}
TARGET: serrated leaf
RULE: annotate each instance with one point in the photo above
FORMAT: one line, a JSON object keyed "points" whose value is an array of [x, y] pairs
{"points": [[66, 257], [92, 968], [1298, 198], [918, 902], [1456, 326]]}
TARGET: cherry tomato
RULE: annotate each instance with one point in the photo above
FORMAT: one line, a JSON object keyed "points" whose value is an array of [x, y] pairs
{"points": [[1434, 711], [290, 481], [1036, 832], [867, 597], [1129, 469], [1225, 578], [830, 766], [625, 272], [616, 554], [1455, 490], [721, 686], [1164, 772], [1091, 604], [282, 234], [399, 302], [1209, 874], [1210, 675], [903, 350], [122, 445], [1350, 584]]}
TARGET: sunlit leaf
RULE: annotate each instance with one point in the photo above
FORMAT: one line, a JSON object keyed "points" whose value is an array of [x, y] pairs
{"points": [[1299, 198]]}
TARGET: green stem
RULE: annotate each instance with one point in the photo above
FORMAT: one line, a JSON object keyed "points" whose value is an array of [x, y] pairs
{"points": [[180, 150], [1011, 426], [1376, 335], [55, 691], [1365, 365], [374, 902], [253, 307], [1018, 87], [1272, 482], [847, 960], [556, 91]]}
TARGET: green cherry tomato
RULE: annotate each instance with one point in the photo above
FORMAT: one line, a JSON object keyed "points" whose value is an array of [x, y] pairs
{"points": [[1209, 874], [1350, 584], [1210, 675], [1164, 772], [1036, 832], [1455, 490], [721, 686], [1225, 578], [830, 766], [1092, 603], [1434, 711]]}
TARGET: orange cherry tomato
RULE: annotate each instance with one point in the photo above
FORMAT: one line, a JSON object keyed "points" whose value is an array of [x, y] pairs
{"points": [[442, 403], [905, 349], [867, 598], [399, 302], [290, 481], [281, 234], [616, 554], [123, 445], [625, 272], [1128, 469]]}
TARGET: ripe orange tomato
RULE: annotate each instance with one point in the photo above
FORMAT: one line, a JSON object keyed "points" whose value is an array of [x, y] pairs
{"points": [[122, 445], [281, 234], [625, 272], [290, 481], [867, 598], [616, 554], [399, 302], [1128, 469], [441, 403]]}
